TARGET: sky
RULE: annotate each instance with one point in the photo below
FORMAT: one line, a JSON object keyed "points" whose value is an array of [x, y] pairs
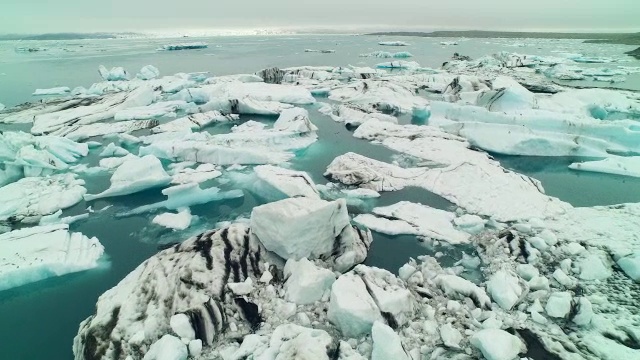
{"points": [[47, 16]]}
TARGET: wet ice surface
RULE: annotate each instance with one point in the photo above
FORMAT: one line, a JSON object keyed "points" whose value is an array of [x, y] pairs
{"points": [[129, 240]]}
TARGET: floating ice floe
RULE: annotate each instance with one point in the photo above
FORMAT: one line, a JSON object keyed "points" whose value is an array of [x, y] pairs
{"points": [[400, 64], [448, 43], [200, 174], [322, 51], [184, 46], [483, 188], [186, 195], [414, 219], [133, 176], [288, 182], [378, 96], [386, 54], [40, 252], [245, 145], [28, 199], [52, 91], [179, 221], [618, 165], [393, 43]]}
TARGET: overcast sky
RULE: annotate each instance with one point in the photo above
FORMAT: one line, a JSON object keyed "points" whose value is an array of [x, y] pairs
{"points": [[39, 16]]}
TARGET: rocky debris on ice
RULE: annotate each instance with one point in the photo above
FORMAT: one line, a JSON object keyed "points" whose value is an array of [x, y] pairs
{"points": [[179, 221], [386, 54], [414, 219], [62, 120], [320, 228], [152, 111], [617, 165], [198, 175], [28, 199], [148, 72], [107, 128], [141, 306], [354, 115], [184, 46], [52, 91], [115, 74], [393, 43], [288, 182], [485, 197], [195, 122], [133, 176], [379, 96], [40, 252]]}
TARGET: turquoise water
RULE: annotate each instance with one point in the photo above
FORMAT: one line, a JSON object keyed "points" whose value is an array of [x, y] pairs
{"points": [[39, 321]]}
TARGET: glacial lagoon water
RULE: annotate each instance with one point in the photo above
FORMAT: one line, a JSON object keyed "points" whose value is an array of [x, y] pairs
{"points": [[39, 321]]}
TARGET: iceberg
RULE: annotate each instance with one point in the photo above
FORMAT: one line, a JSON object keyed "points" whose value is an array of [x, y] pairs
{"points": [[184, 46], [379, 96], [386, 343], [302, 227], [496, 344], [259, 91], [133, 176], [386, 54], [28, 199], [115, 74], [179, 221], [52, 91], [40, 252], [194, 122], [351, 308], [148, 72], [113, 150], [393, 43], [306, 283], [194, 268], [400, 64]]}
